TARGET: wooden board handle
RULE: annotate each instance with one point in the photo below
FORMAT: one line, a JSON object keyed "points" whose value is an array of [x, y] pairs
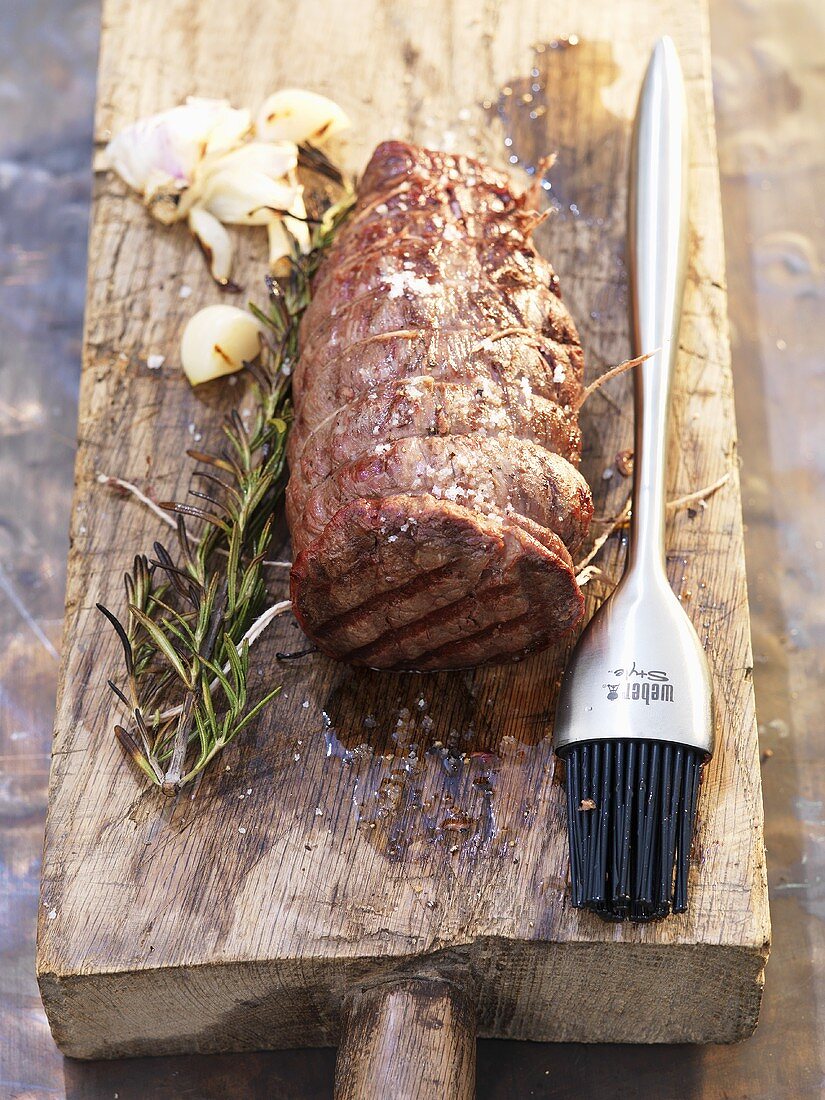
{"points": [[414, 1039]]}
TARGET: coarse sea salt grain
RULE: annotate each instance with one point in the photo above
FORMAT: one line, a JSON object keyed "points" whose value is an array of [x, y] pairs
{"points": [[559, 374], [155, 362], [401, 281]]}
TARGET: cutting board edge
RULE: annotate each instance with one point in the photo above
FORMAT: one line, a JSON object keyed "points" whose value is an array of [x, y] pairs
{"points": [[555, 1000]]}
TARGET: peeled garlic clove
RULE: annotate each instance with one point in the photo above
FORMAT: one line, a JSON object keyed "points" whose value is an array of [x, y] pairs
{"points": [[230, 125], [171, 144], [295, 220], [215, 242], [274, 158], [297, 115], [287, 232], [217, 341], [280, 247], [241, 198]]}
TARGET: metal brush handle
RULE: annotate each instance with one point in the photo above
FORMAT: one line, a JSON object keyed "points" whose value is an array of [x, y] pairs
{"points": [[639, 672], [658, 260]]}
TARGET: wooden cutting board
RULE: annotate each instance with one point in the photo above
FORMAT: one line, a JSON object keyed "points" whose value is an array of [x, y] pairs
{"points": [[331, 871]]}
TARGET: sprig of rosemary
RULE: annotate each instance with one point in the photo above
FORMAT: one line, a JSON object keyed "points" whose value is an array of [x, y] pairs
{"points": [[184, 634]]}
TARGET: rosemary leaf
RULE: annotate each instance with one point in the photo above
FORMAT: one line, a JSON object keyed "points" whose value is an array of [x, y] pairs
{"points": [[193, 609]]}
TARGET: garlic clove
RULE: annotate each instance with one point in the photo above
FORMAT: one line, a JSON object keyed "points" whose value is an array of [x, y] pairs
{"points": [[164, 197], [294, 114], [245, 198], [215, 242], [169, 145], [286, 232], [230, 125], [295, 221], [273, 158], [217, 341], [280, 246]]}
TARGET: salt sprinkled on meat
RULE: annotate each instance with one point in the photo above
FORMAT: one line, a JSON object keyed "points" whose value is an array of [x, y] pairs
{"points": [[402, 281], [473, 438]]}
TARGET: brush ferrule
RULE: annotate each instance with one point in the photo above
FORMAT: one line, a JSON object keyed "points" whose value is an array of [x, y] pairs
{"points": [[639, 673]]}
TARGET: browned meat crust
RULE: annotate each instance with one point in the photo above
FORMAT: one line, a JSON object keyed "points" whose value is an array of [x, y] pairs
{"points": [[434, 497]]}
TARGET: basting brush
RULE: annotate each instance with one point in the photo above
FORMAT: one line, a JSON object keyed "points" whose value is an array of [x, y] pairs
{"points": [[634, 722]]}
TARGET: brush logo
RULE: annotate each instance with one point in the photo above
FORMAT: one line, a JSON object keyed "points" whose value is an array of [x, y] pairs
{"points": [[639, 685]]}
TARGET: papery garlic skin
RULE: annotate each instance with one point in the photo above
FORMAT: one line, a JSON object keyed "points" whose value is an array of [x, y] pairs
{"points": [[202, 162], [294, 114], [170, 145], [218, 340]]}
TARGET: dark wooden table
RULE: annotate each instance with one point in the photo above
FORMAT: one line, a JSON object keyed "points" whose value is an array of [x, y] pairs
{"points": [[769, 90]]}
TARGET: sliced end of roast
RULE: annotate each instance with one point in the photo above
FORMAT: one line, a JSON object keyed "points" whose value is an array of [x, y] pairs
{"points": [[413, 582]]}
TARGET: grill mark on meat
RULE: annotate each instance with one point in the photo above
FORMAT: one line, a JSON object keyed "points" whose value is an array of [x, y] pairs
{"points": [[437, 339], [492, 629], [386, 598], [446, 616], [440, 616], [453, 649], [526, 560]]}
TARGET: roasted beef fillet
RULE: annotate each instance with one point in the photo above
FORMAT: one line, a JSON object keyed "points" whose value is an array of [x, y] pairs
{"points": [[434, 498]]}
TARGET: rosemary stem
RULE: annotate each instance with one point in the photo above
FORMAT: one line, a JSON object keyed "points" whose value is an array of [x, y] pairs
{"points": [[172, 778], [192, 615], [253, 633]]}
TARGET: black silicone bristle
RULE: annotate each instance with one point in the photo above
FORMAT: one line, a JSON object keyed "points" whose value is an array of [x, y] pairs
{"points": [[631, 809]]}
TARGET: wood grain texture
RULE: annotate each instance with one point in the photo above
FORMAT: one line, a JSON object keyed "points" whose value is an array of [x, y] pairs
{"points": [[361, 854], [411, 1040]]}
